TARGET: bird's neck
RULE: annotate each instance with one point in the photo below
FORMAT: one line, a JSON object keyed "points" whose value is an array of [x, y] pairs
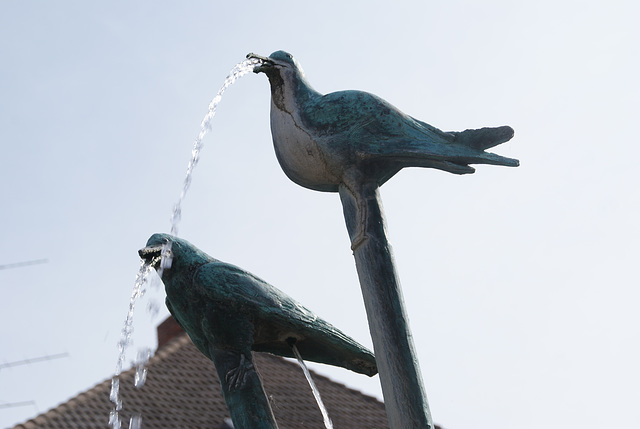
{"points": [[178, 280], [289, 92]]}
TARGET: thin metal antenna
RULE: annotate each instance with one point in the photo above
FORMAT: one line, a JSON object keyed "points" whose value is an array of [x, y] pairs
{"points": [[18, 404], [23, 264], [33, 360]]}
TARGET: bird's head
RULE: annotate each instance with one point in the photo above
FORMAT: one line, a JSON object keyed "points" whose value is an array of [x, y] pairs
{"points": [[172, 255], [286, 77], [276, 63]]}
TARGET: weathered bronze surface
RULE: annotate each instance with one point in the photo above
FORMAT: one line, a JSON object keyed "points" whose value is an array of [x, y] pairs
{"points": [[352, 142], [355, 139], [229, 312]]}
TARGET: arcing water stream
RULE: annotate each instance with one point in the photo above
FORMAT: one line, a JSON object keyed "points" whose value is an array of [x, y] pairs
{"points": [[139, 289], [314, 389]]}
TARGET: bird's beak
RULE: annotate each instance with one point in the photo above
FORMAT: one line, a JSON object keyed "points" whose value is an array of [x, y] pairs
{"points": [[151, 254], [265, 62]]}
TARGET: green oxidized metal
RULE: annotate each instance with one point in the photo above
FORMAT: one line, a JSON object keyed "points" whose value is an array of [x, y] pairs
{"points": [[352, 142], [228, 312]]}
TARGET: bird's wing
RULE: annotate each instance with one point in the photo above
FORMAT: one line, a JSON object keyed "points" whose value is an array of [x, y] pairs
{"points": [[279, 320], [376, 130], [367, 119], [219, 281]]}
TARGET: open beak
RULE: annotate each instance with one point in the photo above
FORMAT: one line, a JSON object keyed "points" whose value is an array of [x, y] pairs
{"points": [[151, 254], [265, 62]]}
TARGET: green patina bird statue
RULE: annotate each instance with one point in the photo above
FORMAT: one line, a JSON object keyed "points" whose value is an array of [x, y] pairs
{"points": [[356, 139], [224, 308]]}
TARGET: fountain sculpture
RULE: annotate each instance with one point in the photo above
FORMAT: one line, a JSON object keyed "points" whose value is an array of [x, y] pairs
{"points": [[229, 312], [349, 142]]}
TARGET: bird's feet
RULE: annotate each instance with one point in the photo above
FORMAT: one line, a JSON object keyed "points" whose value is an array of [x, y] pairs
{"points": [[237, 377], [355, 200], [358, 240]]}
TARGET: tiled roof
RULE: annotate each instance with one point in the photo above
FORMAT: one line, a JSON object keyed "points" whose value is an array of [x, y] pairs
{"points": [[182, 391]]}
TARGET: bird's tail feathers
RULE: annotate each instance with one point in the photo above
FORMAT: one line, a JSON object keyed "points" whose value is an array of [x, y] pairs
{"points": [[483, 138]]}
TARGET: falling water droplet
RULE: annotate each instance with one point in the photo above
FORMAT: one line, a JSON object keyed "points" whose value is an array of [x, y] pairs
{"points": [[141, 376], [115, 389], [114, 395], [141, 368], [135, 422], [114, 419]]}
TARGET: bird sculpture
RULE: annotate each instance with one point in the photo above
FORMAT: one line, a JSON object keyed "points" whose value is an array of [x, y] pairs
{"points": [[224, 308], [354, 139]]}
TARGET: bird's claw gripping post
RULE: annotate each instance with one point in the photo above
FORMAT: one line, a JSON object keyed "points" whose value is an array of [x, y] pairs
{"points": [[358, 233], [237, 377], [242, 390]]}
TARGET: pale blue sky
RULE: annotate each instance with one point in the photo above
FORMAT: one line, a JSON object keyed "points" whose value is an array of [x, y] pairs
{"points": [[520, 284]]}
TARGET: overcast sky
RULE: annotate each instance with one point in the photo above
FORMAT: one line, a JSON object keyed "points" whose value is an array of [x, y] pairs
{"points": [[520, 284]]}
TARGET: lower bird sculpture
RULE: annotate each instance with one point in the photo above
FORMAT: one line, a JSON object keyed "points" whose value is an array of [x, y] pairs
{"points": [[229, 312], [354, 139]]}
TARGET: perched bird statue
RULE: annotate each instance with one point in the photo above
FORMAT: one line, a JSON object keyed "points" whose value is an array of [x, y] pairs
{"points": [[229, 312], [352, 142], [354, 139]]}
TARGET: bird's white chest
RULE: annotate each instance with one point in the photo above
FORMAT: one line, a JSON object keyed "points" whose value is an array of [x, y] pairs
{"points": [[300, 153]]}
